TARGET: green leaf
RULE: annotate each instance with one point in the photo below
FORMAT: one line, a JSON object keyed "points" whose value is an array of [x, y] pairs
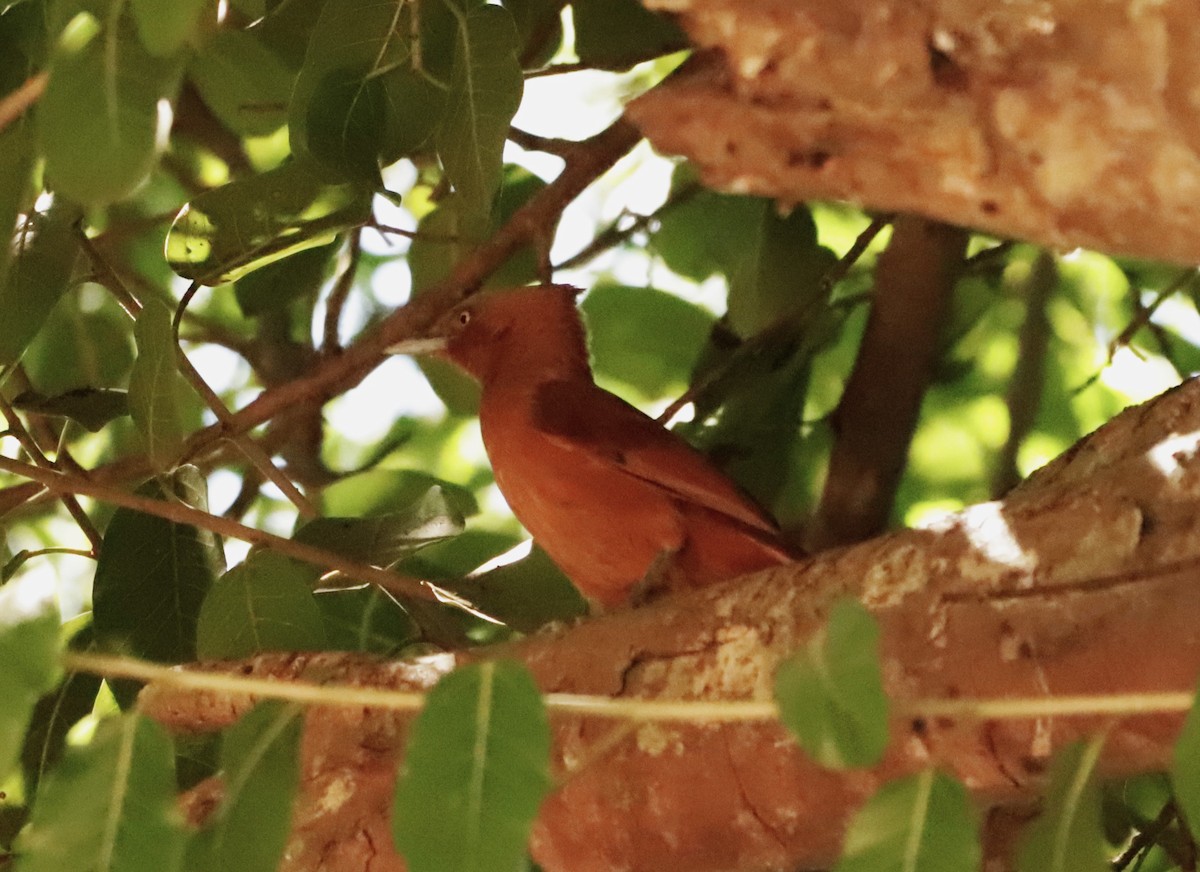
{"points": [[229, 231], [361, 101], [539, 25], [105, 106], [1185, 768], [1069, 835], [53, 717], [830, 694], [616, 34], [275, 285], [85, 342], [475, 772], [157, 391], [261, 763], [29, 649], [108, 806], [394, 491], [365, 619], [165, 28], [244, 82], [526, 594], [16, 187], [46, 246], [263, 604], [646, 338], [384, 539], [486, 86], [153, 575], [91, 407], [922, 823]]}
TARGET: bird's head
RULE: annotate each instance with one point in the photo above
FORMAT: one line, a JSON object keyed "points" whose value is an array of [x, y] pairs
{"points": [[510, 331]]}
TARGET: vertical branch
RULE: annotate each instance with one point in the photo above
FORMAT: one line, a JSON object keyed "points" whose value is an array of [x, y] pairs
{"points": [[337, 297], [1024, 394], [874, 421]]}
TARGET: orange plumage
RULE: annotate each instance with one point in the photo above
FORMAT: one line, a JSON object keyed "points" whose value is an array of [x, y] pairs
{"points": [[614, 499]]}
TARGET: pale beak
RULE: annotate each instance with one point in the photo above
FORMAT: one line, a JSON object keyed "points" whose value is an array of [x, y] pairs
{"points": [[419, 345]]}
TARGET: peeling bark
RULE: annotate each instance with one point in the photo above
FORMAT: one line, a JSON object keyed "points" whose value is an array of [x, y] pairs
{"points": [[1083, 581], [1068, 122]]}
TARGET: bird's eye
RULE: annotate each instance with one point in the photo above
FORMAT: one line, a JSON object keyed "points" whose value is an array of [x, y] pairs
{"points": [[464, 317]]}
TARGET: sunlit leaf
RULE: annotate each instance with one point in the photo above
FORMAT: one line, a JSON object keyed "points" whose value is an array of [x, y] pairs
{"points": [[165, 28], [486, 87], [275, 285], [153, 575], [616, 34], [225, 233], [921, 823], [395, 492], [106, 105], [475, 772], [263, 604], [46, 246], [261, 767], [244, 82], [384, 539], [91, 407], [157, 392], [1068, 836], [109, 805], [86, 342], [29, 648], [830, 693]]}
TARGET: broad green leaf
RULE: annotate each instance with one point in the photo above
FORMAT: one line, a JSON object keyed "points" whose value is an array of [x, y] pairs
{"points": [[225, 233], [260, 760], [830, 694], [921, 823], [399, 492], [486, 86], [362, 99], [153, 575], [616, 34], [365, 619], [646, 338], [539, 26], [526, 594], [54, 715], [384, 539], [86, 342], [109, 805], [1068, 836], [16, 187], [475, 772], [245, 83], [29, 649], [157, 391], [91, 407], [275, 285], [22, 38], [45, 248], [106, 105], [165, 28], [1185, 768], [263, 604]]}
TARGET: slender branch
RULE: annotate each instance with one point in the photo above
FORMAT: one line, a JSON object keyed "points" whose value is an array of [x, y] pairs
{"points": [[17, 429], [61, 483], [861, 243], [337, 297], [626, 709], [559, 70], [614, 234], [549, 144], [14, 104]]}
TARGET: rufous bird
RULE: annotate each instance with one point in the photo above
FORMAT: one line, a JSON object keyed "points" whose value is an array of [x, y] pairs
{"points": [[622, 505]]}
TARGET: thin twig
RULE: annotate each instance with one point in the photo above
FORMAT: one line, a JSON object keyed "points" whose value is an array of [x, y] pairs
{"points": [[178, 513], [559, 70], [340, 292], [549, 144], [16, 428], [614, 234], [862, 242], [14, 104]]}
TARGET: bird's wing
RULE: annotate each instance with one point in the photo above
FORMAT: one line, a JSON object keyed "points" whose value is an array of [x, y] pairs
{"points": [[585, 418]]}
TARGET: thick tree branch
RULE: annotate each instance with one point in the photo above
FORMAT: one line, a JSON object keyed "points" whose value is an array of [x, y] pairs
{"points": [[874, 422]]}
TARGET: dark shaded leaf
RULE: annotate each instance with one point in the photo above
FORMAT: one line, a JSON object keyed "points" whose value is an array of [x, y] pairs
{"points": [[616, 34], [46, 248], [475, 772], [921, 823], [29, 649], [225, 233], [526, 594], [830, 694], [539, 26], [157, 391], [153, 575], [54, 715], [275, 285], [365, 619], [1185, 768], [86, 342], [263, 604], [1069, 835], [16, 187], [104, 107], [245, 83], [90, 407], [109, 805]]}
